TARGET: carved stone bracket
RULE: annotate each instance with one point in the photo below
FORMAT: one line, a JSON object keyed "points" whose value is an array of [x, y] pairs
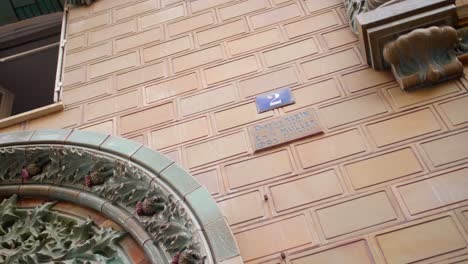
{"points": [[382, 21], [424, 57], [129, 183]]}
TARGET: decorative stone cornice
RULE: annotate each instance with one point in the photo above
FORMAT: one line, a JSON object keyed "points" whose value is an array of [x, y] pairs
{"points": [[127, 182], [424, 57]]}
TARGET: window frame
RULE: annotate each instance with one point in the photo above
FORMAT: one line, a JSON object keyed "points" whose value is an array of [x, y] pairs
{"points": [[57, 104]]}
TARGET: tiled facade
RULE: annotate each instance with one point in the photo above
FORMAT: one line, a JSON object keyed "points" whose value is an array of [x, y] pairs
{"points": [[387, 181]]}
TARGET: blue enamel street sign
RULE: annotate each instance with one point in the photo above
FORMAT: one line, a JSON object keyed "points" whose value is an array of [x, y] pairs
{"points": [[274, 99]]}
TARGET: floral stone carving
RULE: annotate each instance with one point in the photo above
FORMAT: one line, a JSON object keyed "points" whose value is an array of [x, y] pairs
{"points": [[461, 48], [373, 4], [424, 57], [163, 216], [356, 7], [40, 235]]}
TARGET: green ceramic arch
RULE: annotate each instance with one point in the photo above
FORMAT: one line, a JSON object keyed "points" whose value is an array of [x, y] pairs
{"points": [[162, 206]]}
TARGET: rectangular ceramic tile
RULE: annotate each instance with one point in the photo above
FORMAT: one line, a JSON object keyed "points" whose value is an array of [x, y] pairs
{"points": [[291, 52], [237, 116], [447, 149], [89, 54], [79, 13], [74, 77], [170, 2], [210, 180], [351, 253], [254, 41], [197, 58], [311, 24], [243, 208], [199, 5], [180, 133], [330, 148], [315, 5], [435, 192], [353, 110], [331, 63], [268, 81], [216, 149], [242, 8], [63, 119], [207, 100], [314, 94], [339, 37], [258, 169], [306, 190], [113, 105], [89, 23], [141, 75], [357, 214], [231, 69], [275, 16], [365, 79], [404, 99], [107, 4], [231, 29], [381, 168], [113, 65], [146, 118], [112, 31], [76, 42], [166, 49], [106, 128], [275, 237], [403, 127], [87, 91], [421, 241], [191, 23], [162, 16], [171, 88], [173, 155], [135, 40], [135, 9], [456, 111]]}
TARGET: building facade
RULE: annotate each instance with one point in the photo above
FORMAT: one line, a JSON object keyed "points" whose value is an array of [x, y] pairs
{"points": [[385, 182]]}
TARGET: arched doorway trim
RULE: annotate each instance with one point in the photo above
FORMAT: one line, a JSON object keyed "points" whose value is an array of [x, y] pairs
{"points": [[162, 206]]}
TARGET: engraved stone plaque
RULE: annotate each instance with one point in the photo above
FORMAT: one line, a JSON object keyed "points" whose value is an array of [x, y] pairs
{"points": [[283, 129]]}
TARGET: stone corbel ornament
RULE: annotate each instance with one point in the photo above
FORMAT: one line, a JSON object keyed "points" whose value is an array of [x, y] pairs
{"points": [[424, 57]]}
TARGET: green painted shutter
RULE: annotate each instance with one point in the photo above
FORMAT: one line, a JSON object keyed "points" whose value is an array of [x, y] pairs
{"points": [[15, 10]]}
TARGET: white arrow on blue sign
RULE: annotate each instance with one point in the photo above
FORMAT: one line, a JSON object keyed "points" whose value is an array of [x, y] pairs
{"points": [[274, 99]]}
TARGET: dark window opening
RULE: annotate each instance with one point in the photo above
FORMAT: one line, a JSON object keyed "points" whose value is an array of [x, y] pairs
{"points": [[29, 52]]}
